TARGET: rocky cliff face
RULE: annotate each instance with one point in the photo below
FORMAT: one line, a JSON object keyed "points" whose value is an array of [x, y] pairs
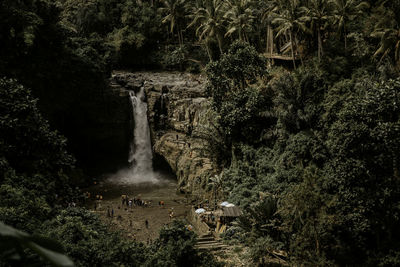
{"points": [[178, 111]]}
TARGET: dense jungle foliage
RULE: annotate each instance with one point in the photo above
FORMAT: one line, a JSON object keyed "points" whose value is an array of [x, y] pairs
{"points": [[308, 147]]}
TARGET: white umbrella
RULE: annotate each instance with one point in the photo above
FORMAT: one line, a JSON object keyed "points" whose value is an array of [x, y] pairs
{"points": [[223, 204], [230, 205], [201, 210]]}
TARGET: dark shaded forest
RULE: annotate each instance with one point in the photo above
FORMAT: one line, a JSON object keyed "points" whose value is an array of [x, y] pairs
{"points": [[308, 146]]}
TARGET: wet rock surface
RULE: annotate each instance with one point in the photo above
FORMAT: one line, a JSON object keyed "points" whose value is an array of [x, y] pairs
{"points": [[178, 110]]}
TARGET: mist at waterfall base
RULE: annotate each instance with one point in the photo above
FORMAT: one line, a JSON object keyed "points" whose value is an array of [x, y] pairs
{"points": [[140, 159]]}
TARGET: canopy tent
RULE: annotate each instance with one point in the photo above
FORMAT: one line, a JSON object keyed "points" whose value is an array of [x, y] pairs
{"points": [[223, 204], [201, 210]]}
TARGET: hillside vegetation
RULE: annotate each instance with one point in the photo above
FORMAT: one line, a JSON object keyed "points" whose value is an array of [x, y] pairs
{"points": [[306, 137]]}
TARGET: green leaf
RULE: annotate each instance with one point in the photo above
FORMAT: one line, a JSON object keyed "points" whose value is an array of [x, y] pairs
{"points": [[57, 259], [14, 238]]}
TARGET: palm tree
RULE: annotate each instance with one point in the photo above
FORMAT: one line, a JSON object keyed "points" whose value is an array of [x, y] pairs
{"points": [[175, 10], [208, 16], [318, 14], [388, 30], [270, 8], [345, 11], [240, 17], [217, 185], [288, 20]]}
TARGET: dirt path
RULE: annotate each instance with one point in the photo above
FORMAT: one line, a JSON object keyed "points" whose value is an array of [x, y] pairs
{"points": [[132, 220]]}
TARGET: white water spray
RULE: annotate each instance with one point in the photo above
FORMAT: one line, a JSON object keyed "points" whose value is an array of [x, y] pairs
{"points": [[140, 153]]}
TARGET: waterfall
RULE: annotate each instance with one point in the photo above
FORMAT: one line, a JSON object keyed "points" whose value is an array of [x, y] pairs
{"points": [[140, 154]]}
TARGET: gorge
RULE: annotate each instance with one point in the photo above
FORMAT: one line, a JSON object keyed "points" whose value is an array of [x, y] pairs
{"points": [[166, 156]]}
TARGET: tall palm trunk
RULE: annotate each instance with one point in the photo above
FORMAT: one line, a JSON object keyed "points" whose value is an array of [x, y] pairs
{"points": [[297, 50], [219, 40], [180, 36], [271, 40], [208, 50], [292, 48], [319, 45], [245, 38], [271, 43], [182, 41], [267, 40]]}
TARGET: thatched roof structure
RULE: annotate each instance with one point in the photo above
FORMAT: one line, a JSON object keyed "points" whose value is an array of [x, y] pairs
{"points": [[234, 211]]}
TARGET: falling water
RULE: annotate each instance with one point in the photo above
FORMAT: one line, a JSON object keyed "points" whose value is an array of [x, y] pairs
{"points": [[140, 153]]}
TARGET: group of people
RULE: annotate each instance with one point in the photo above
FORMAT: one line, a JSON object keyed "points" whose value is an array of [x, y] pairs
{"points": [[137, 201], [129, 202]]}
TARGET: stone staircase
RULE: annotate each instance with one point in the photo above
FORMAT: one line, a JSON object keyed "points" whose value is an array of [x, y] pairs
{"points": [[208, 242]]}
